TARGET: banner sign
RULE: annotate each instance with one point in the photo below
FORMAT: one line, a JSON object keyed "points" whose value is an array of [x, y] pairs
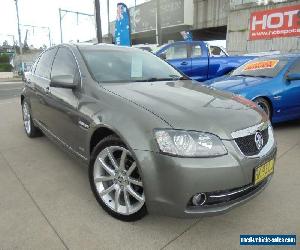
{"points": [[279, 22], [187, 35], [268, 64], [122, 26]]}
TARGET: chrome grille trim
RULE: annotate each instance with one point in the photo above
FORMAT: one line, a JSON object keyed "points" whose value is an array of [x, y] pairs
{"points": [[250, 130]]}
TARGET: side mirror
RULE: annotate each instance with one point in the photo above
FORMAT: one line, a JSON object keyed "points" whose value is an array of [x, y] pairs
{"points": [[293, 76], [63, 81], [163, 56]]}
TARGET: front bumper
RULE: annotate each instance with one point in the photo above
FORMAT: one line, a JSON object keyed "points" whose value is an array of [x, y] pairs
{"points": [[171, 182]]}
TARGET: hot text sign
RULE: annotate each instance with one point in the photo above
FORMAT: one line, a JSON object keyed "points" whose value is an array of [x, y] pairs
{"points": [[280, 22]]}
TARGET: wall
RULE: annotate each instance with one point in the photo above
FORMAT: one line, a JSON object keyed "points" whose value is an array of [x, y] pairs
{"points": [[238, 32], [210, 13]]}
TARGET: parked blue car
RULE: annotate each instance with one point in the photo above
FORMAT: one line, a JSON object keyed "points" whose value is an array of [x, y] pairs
{"points": [[272, 82], [199, 60]]}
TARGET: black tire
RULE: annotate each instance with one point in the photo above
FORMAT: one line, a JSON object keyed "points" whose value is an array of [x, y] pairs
{"points": [[264, 105], [109, 141], [33, 131]]}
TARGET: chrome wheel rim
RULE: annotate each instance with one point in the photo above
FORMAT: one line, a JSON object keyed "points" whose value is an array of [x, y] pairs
{"points": [[26, 118], [118, 181]]}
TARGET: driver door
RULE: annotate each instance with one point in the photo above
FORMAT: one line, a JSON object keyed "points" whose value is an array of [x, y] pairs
{"points": [[63, 116]]}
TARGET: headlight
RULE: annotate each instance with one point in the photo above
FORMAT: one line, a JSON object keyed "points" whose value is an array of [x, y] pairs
{"points": [[189, 143]]}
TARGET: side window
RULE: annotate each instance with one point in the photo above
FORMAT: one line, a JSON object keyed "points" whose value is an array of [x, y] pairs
{"points": [[64, 64], [43, 67], [176, 51], [196, 50], [295, 68], [216, 51]]}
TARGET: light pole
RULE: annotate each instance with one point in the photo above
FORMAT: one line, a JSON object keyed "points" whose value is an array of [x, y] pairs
{"points": [[62, 16], [98, 21], [39, 27], [19, 33], [108, 28], [158, 24]]}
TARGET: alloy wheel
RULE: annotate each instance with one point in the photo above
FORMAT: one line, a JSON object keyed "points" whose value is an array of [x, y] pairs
{"points": [[118, 181], [26, 118]]}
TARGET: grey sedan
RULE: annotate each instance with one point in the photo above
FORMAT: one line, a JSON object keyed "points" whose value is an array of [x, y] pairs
{"points": [[154, 140]]}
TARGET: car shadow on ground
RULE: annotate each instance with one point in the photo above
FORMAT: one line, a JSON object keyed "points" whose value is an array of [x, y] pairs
{"points": [[287, 125]]}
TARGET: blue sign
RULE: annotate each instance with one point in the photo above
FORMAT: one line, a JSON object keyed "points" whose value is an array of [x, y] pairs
{"points": [[122, 26], [268, 240]]}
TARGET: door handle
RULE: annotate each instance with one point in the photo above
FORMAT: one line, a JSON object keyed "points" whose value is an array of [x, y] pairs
{"points": [[47, 90], [184, 63]]}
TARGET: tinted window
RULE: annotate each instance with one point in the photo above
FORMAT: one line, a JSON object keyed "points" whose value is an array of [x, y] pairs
{"points": [[176, 51], [127, 65], [64, 64], [216, 51], [261, 67], [295, 68], [196, 50], [43, 67]]}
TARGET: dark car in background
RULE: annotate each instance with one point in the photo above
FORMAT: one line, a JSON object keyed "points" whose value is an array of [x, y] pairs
{"points": [[273, 82], [153, 140]]}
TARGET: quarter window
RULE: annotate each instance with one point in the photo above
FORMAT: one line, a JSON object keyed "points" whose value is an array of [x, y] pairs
{"points": [[43, 67]]}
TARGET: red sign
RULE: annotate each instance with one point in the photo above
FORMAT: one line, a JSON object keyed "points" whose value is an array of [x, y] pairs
{"points": [[280, 22]]}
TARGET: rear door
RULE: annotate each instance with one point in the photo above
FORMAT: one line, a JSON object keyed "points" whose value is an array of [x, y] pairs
{"points": [[39, 81], [177, 55]]}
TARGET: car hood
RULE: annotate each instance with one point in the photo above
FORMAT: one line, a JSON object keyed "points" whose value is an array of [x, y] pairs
{"points": [[191, 106], [236, 84]]}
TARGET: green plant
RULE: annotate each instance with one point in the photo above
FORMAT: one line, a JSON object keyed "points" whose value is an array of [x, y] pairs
{"points": [[4, 58]]}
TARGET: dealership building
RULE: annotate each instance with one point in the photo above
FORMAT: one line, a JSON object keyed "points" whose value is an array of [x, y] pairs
{"points": [[249, 26]]}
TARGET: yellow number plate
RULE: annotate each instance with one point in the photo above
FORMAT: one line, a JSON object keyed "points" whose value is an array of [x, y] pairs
{"points": [[263, 171]]}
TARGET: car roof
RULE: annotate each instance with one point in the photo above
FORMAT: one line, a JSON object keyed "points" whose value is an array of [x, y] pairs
{"points": [[289, 56], [103, 46]]}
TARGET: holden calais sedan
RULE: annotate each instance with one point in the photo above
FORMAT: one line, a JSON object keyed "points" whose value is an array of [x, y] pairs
{"points": [[154, 140]]}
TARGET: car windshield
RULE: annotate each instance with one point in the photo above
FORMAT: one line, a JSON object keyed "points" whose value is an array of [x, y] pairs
{"points": [[261, 67], [120, 65]]}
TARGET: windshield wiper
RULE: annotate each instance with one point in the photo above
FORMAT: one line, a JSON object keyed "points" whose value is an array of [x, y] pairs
{"points": [[244, 75], [261, 76], [264, 76], [156, 79]]}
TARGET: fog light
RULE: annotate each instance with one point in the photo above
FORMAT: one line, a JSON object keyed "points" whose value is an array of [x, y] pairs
{"points": [[199, 199]]}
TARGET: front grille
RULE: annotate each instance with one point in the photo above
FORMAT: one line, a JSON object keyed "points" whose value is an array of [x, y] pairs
{"points": [[247, 144], [218, 197]]}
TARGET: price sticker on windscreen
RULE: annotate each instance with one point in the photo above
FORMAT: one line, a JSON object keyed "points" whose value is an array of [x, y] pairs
{"points": [[136, 67], [268, 64]]}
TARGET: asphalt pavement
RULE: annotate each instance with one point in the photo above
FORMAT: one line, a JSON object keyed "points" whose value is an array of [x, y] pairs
{"points": [[46, 201], [10, 89]]}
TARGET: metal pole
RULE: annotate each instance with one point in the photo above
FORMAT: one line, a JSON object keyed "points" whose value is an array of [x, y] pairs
{"points": [[108, 28], [60, 25], [98, 21], [49, 35], [158, 25], [19, 33]]}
